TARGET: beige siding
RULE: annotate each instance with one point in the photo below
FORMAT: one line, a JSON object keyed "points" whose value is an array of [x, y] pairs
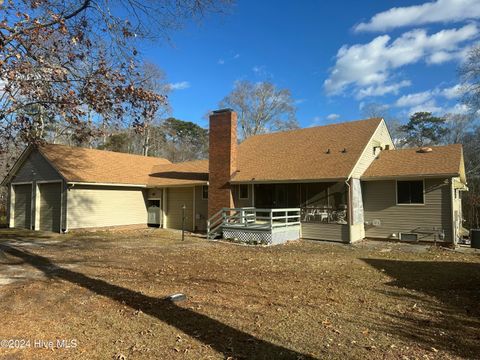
{"points": [[201, 210], [49, 206], [97, 206], [380, 203], [176, 198], [36, 167], [331, 232], [154, 193], [381, 137], [242, 202]]}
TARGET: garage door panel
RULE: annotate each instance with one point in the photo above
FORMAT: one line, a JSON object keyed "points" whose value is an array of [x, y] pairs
{"points": [[22, 206], [50, 206]]}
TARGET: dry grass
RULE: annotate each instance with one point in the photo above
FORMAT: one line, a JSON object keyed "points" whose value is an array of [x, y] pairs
{"points": [[300, 300]]}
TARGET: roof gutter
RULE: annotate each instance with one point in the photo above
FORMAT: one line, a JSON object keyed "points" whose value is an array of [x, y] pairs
{"points": [[411, 176], [73, 183]]}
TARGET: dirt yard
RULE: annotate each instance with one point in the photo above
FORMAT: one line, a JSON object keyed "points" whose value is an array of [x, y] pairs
{"points": [[104, 294]]}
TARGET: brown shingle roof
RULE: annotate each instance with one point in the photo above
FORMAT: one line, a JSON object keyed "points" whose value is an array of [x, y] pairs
{"points": [[442, 160], [302, 154], [186, 173], [98, 166]]}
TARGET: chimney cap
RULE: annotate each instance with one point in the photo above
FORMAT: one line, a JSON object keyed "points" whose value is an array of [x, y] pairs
{"points": [[221, 111]]}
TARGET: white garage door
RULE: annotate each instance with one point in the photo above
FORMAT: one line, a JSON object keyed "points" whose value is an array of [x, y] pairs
{"points": [[22, 206], [50, 206]]}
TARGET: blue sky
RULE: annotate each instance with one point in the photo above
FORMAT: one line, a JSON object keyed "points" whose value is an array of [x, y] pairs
{"points": [[335, 57]]}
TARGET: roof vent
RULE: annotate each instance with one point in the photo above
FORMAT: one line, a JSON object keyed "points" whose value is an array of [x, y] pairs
{"points": [[425, 150], [344, 150], [328, 151]]}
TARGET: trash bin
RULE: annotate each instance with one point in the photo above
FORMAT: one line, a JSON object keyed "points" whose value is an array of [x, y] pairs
{"points": [[475, 238]]}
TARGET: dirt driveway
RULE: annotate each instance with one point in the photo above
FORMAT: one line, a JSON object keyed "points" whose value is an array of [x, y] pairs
{"points": [[102, 295]]}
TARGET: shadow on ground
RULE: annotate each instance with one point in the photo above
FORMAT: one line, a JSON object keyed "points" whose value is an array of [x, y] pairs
{"points": [[221, 337], [455, 289]]}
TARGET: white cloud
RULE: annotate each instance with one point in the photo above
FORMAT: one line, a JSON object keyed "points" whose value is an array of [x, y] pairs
{"points": [[333, 117], [429, 106], [428, 101], [380, 90], [443, 11], [414, 99], [299, 101], [236, 56], [452, 92], [182, 85], [370, 65], [221, 61]]}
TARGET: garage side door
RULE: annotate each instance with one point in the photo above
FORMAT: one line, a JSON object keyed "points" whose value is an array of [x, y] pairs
{"points": [[176, 198], [22, 206], [50, 206]]}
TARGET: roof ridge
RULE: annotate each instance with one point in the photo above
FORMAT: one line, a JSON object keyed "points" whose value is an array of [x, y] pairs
{"points": [[104, 151], [315, 127], [419, 147]]}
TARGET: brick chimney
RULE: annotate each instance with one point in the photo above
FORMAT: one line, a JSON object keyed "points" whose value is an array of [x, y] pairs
{"points": [[222, 159]]}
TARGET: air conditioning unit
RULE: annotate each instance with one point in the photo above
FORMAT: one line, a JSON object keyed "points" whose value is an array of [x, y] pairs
{"points": [[376, 222], [408, 237]]}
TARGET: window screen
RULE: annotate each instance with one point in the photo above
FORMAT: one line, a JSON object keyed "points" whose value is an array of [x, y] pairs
{"points": [[410, 192]]}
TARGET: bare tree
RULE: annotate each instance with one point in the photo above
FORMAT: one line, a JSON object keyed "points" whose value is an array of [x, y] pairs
{"points": [[261, 107], [153, 79], [470, 78], [72, 61]]}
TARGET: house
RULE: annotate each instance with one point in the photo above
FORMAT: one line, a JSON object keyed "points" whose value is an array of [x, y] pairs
{"points": [[340, 182]]}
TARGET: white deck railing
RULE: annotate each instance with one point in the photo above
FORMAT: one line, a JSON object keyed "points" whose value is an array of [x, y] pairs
{"points": [[252, 218]]}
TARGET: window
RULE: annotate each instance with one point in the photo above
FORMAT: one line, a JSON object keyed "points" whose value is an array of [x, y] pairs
{"points": [[243, 191], [204, 192], [410, 192]]}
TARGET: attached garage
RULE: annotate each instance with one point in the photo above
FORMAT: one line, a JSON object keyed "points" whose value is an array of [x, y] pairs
{"points": [[49, 206], [22, 206]]}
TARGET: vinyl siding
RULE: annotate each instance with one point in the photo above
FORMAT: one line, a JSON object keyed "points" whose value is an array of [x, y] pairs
{"points": [[99, 206], [331, 232], [242, 202], [176, 198], [380, 137], [201, 210], [36, 167], [380, 203]]}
